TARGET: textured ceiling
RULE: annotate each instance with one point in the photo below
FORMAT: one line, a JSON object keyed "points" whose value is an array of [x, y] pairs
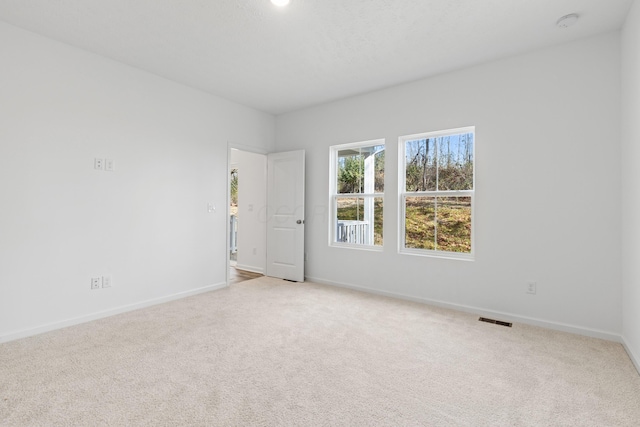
{"points": [[313, 51]]}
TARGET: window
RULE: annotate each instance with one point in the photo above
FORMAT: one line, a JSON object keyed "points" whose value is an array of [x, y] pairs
{"points": [[357, 192], [436, 177]]}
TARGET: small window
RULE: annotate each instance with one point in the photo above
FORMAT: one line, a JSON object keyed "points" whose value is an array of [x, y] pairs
{"points": [[357, 193], [436, 176]]}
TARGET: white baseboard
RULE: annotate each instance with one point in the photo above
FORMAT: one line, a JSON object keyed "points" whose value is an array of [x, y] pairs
{"points": [[634, 357], [250, 268], [509, 317], [105, 313]]}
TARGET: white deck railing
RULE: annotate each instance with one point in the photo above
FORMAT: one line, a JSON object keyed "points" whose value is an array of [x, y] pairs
{"points": [[233, 234], [353, 232]]}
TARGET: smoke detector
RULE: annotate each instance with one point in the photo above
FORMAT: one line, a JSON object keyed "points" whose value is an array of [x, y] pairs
{"points": [[567, 20]]}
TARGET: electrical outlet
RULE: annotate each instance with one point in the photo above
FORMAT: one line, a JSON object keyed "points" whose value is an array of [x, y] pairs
{"points": [[95, 283], [106, 281], [255, 251], [109, 165], [98, 164], [532, 287]]}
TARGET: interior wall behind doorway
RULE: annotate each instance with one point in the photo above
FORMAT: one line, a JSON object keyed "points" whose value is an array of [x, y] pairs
{"points": [[252, 202]]}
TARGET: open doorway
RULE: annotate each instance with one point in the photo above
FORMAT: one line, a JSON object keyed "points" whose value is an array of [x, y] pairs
{"points": [[233, 216], [247, 215]]}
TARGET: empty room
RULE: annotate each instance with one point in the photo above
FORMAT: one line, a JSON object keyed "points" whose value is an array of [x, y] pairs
{"points": [[320, 213]]}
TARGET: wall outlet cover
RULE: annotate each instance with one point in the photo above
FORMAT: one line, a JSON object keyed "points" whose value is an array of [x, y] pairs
{"points": [[106, 281], [532, 287]]}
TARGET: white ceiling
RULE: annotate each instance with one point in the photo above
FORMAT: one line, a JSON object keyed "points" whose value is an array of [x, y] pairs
{"points": [[313, 51]]}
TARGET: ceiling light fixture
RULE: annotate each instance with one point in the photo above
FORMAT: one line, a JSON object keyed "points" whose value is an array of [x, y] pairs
{"points": [[280, 3], [567, 20]]}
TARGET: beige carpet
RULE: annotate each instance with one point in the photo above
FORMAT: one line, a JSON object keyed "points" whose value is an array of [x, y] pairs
{"points": [[268, 352]]}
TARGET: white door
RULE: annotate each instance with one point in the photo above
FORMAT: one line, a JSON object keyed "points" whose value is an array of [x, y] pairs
{"points": [[285, 215]]}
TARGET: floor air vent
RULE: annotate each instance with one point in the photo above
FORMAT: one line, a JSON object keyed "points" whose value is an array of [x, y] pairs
{"points": [[497, 322]]}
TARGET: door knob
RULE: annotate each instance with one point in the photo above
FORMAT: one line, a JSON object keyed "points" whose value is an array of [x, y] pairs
{"points": [[299, 221]]}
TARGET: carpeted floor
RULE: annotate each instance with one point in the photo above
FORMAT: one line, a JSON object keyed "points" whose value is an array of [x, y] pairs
{"points": [[266, 352]]}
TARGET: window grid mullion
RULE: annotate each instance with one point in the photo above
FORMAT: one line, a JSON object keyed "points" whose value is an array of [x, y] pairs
{"points": [[445, 193], [351, 195]]}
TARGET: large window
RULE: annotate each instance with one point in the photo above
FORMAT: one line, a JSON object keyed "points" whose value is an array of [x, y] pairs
{"points": [[436, 177], [356, 193]]}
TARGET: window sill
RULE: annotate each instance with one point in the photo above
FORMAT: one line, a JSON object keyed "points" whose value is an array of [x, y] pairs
{"points": [[371, 248], [437, 254]]}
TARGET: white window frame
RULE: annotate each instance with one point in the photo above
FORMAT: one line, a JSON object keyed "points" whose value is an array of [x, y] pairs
{"points": [[334, 195], [403, 194]]}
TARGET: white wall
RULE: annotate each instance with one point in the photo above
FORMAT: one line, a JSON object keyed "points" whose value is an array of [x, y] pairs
{"points": [[252, 203], [146, 224], [547, 186], [631, 182]]}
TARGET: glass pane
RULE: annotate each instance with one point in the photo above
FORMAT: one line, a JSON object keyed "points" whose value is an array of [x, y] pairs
{"points": [[377, 221], [379, 168], [454, 224], [455, 162], [420, 165], [350, 171], [359, 220], [361, 170], [420, 225], [350, 208]]}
